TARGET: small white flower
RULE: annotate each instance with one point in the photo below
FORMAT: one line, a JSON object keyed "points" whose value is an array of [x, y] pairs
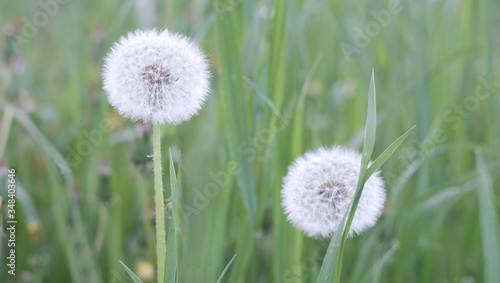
{"points": [[319, 188], [157, 77]]}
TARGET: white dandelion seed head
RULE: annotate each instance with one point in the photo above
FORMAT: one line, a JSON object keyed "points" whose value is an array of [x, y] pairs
{"points": [[319, 188], [156, 76]]}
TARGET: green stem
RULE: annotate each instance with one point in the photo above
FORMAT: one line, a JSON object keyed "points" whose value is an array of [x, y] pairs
{"points": [[159, 205]]}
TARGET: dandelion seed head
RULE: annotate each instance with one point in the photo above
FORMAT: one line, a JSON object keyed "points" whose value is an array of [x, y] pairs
{"points": [[156, 77], [319, 188]]}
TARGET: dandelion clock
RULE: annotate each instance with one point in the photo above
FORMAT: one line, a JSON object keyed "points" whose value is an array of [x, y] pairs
{"points": [[156, 77], [319, 188]]}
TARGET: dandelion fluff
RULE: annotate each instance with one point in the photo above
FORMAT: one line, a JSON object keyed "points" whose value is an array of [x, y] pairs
{"points": [[157, 77], [319, 188]]}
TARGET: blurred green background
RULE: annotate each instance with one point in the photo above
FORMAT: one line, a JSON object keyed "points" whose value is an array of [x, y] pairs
{"points": [[288, 76]]}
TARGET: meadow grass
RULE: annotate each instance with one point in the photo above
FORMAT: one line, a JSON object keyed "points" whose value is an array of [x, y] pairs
{"points": [[283, 84]]}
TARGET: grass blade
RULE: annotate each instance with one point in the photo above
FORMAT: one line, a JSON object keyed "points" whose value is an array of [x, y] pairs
{"points": [[332, 264], [382, 158], [226, 269], [171, 258], [371, 124], [70, 225], [233, 101], [283, 255], [176, 214], [329, 268], [276, 87], [488, 219], [262, 95], [52, 153], [131, 273]]}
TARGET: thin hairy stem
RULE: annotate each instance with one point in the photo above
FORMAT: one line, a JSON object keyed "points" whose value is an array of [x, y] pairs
{"points": [[159, 205]]}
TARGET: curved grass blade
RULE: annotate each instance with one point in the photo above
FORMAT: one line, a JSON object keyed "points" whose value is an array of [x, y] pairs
{"points": [[131, 273], [51, 152], [262, 95], [382, 158], [226, 269]]}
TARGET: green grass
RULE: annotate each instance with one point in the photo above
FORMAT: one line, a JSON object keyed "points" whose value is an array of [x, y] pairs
{"points": [[281, 86]]}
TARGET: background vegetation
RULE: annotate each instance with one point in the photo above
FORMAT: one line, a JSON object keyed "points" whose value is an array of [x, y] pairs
{"points": [[288, 76]]}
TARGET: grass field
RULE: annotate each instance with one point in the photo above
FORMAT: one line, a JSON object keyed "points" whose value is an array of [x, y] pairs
{"points": [[288, 77]]}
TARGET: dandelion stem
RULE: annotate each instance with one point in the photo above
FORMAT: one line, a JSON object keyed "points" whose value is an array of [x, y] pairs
{"points": [[159, 205]]}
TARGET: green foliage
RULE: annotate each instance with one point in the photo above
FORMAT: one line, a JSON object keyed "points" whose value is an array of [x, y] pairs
{"points": [[283, 83]]}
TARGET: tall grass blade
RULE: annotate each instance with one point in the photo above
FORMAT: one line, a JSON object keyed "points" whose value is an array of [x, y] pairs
{"points": [[233, 101], [489, 221], [283, 254], [332, 264], [371, 124], [276, 83]]}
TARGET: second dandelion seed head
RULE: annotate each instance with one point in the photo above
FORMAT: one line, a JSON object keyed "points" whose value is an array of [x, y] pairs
{"points": [[319, 188]]}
